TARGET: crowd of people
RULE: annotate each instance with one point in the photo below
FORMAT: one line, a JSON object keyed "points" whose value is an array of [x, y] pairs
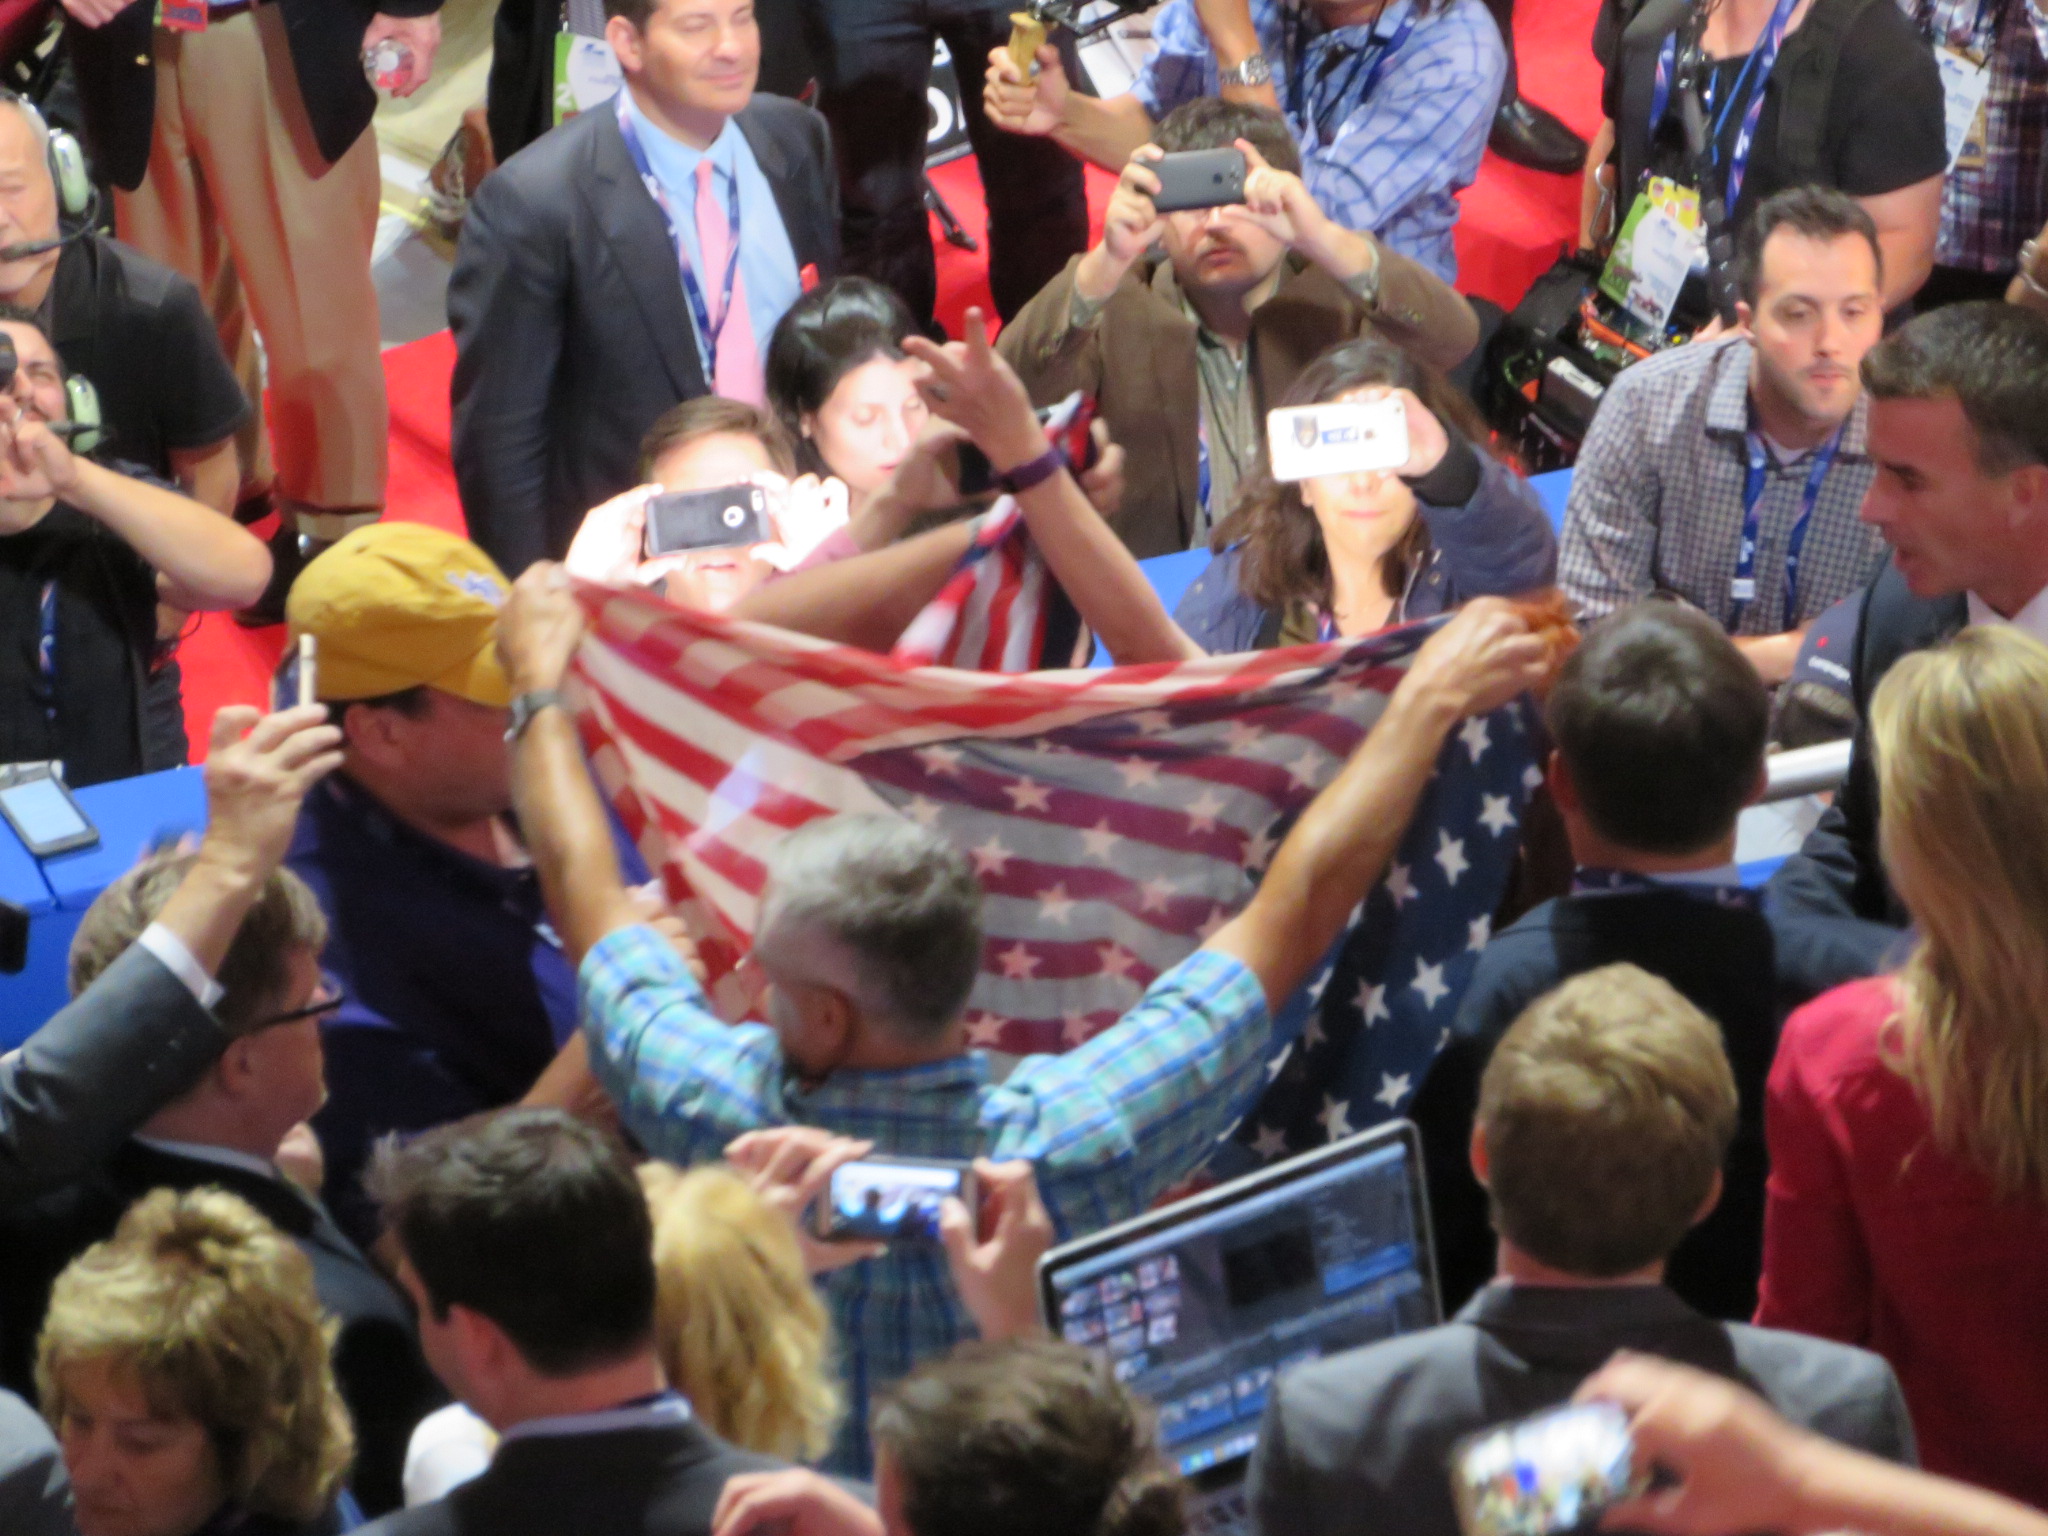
{"points": [[400, 1162]]}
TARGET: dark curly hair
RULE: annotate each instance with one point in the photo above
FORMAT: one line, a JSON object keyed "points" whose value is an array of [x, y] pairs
{"points": [[820, 339], [1285, 560]]}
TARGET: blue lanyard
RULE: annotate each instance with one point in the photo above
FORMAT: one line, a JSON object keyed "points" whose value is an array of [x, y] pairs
{"points": [[1372, 64], [707, 333], [1590, 880], [46, 652], [1764, 57], [1742, 590]]}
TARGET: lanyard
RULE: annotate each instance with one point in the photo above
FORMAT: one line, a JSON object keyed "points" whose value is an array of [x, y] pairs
{"points": [[1590, 880], [707, 333], [1742, 590], [1369, 63], [1765, 58], [642, 1413], [45, 688]]}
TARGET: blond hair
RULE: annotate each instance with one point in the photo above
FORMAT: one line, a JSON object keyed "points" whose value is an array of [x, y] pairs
{"points": [[1961, 737], [738, 1325], [211, 1311], [1607, 1109], [284, 918]]}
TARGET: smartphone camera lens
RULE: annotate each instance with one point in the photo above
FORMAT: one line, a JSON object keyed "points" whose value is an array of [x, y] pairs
{"points": [[732, 517]]}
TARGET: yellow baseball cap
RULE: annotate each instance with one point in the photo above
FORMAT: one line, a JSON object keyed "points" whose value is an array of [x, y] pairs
{"points": [[396, 605]]}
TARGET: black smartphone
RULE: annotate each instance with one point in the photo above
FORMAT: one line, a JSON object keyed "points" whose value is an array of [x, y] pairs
{"points": [[725, 514], [890, 1199], [1199, 178], [42, 812]]}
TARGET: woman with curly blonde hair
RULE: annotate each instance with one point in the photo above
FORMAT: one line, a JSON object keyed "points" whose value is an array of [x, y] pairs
{"points": [[738, 1324], [184, 1367], [1907, 1116]]}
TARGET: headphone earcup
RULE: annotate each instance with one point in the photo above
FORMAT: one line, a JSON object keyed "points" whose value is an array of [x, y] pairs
{"points": [[84, 403], [68, 171]]}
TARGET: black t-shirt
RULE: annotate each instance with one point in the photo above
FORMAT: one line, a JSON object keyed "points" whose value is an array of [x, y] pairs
{"points": [[88, 714], [141, 334], [1882, 128]]}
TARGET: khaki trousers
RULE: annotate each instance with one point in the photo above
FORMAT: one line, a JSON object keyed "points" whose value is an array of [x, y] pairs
{"points": [[239, 199]]}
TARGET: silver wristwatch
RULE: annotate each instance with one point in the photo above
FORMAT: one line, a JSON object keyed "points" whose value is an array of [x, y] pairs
{"points": [[1255, 70], [525, 707]]}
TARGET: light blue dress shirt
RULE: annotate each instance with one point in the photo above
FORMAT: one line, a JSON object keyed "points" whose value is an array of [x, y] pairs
{"points": [[768, 268]]}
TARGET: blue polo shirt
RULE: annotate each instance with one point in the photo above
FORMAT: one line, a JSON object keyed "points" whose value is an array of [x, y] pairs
{"points": [[458, 991]]}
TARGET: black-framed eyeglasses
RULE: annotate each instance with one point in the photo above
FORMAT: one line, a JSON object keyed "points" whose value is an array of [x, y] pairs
{"points": [[329, 996]]}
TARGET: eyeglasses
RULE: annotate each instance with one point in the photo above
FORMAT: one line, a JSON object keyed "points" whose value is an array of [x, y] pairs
{"points": [[330, 996]]}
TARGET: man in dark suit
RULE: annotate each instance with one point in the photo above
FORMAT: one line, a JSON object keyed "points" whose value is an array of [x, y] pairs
{"points": [[235, 135], [583, 300], [1959, 432], [143, 1032], [225, 1132], [526, 1245], [1659, 723], [1604, 1118]]}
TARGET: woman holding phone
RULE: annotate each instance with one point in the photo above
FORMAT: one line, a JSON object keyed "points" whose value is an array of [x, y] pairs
{"points": [[1337, 556]]}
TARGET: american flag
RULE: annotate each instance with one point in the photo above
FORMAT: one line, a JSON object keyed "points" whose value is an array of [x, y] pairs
{"points": [[1115, 818]]}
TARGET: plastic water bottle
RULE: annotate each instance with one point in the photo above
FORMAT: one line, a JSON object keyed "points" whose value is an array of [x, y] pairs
{"points": [[388, 64]]}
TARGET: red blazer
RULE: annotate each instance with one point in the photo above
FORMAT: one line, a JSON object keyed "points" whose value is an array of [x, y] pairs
{"points": [[1874, 1236]]}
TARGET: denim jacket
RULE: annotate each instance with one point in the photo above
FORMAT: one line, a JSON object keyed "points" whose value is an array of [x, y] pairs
{"points": [[1488, 533]]}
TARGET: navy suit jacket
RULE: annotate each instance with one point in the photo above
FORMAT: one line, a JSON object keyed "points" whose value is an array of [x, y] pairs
{"points": [[571, 330]]}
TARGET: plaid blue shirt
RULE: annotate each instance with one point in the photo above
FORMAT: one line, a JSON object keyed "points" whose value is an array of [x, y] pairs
{"points": [[1107, 1127], [1392, 162]]}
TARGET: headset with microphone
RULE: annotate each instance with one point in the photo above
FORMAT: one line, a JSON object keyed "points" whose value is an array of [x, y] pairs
{"points": [[78, 200]]}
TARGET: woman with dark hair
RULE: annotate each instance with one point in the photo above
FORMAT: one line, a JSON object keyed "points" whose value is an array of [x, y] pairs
{"points": [[1343, 555], [837, 376]]}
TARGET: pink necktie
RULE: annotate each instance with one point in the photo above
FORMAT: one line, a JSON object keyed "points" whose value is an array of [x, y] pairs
{"points": [[736, 367]]}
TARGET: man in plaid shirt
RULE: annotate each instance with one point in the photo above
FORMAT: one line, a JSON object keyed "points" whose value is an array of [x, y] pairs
{"points": [[870, 939]]}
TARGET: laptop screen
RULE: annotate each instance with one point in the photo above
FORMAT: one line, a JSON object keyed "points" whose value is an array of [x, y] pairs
{"points": [[1201, 1304]]}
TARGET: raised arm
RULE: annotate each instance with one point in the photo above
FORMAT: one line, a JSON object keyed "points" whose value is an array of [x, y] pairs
{"points": [[972, 386], [559, 811], [140, 1034], [1340, 846], [1102, 129]]}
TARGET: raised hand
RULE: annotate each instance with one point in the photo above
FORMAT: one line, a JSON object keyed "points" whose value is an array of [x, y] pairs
{"points": [[1034, 106], [970, 385], [995, 1269], [258, 769], [1484, 657], [539, 628], [789, 1168]]}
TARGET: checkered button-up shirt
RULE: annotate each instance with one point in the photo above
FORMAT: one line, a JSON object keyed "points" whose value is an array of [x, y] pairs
{"points": [[1108, 1127], [1656, 498], [1391, 162], [1988, 210]]}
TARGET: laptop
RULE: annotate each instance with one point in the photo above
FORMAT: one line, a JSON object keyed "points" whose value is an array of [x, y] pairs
{"points": [[1202, 1303]]}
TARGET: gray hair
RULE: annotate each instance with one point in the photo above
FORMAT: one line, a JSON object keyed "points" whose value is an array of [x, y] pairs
{"points": [[903, 902], [38, 126]]}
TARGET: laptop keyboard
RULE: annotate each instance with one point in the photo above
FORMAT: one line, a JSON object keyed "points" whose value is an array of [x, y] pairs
{"points": [[1223, 1512]]}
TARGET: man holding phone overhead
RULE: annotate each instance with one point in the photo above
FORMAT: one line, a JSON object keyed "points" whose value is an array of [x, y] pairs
{"points": [[1185, 355]]}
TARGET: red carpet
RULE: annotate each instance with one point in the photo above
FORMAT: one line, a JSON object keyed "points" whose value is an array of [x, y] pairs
{"points": [[1515, 223]]}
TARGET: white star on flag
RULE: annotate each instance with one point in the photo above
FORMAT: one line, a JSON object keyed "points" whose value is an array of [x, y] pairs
{"points": [[1478, 931], [1017, 962], [1117, 960], [991, 857], [1241, 735], [1154, 895], [1450, 853], [1336, 1117], [1136, 771], [1307, 768], [1098, 842], [1371, 1003], [1429, 981], [939, 759], [1055, 905], [983, 1029], [1393, 1089], [1269, 1142], [1495, 816], [1150, 722], [1258, 849], [1028, 795], [1532, 776], [1475, 738], [1203, 813], [922, 811], [1312, 1032], [1399, 885], [1273, 1067], [1074, 1028]]}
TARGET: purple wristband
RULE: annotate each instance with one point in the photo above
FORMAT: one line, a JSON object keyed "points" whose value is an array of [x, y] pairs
{"points": [[1032, 471]]}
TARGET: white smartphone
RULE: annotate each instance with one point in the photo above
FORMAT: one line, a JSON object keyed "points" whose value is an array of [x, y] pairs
{"points": [[1304, 442]]}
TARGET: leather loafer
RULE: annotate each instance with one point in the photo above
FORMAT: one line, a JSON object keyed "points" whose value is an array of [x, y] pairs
{"points": [[1527, 135]]}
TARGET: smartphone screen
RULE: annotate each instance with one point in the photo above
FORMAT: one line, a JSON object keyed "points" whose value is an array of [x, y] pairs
{"points": [[43, 813], [1551, 1473], [890, 1200]]}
